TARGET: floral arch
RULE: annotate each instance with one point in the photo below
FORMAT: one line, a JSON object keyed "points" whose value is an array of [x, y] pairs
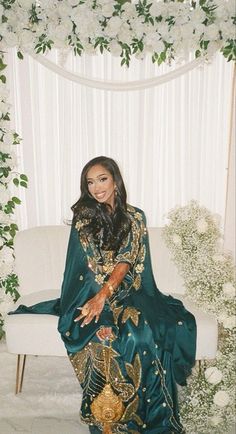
{"points": [[164, 30]]}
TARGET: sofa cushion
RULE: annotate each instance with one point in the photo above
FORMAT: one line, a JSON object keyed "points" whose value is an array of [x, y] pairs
{"points": [[37, 334]]}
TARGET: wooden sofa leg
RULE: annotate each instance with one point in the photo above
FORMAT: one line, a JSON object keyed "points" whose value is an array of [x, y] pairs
{"points": [[20, 370]]}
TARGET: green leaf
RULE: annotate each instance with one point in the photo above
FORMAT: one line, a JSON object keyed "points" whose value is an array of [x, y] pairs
{"points": [[23, 177], [2, 65], [20, 55], [3, 78], [16, 182], [16, 200]]}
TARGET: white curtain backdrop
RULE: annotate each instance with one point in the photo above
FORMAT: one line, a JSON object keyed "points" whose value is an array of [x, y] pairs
{"points": [[171, 141]]}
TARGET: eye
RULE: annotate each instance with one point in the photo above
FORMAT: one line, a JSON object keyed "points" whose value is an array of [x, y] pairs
{"points": [[103, 179], [89, 182]]}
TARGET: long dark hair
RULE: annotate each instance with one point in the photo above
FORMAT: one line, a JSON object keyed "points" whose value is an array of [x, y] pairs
{"points": [[99, 217]]}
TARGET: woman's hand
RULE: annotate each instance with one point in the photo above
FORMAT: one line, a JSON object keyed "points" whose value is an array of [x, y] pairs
{"points": [[93, 307], [104, 333]]}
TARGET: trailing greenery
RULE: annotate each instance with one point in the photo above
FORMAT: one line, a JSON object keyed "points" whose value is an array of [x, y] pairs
{"points": [[9, 179]]}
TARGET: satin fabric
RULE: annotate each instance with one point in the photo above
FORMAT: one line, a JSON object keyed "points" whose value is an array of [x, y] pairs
{"points": [[154, 334]]}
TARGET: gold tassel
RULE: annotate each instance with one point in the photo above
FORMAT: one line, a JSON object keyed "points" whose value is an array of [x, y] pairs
{"points": [[107, 428], [107, 407]]}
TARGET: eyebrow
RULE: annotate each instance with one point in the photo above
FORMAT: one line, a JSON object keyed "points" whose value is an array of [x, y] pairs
{"points": [[102, 174]]}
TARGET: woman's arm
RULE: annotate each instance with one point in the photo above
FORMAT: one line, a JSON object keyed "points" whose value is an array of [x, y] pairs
{"points": [[93, 307]]}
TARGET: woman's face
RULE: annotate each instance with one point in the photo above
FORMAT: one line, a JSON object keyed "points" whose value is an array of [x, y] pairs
{"points": [[101, 184]]}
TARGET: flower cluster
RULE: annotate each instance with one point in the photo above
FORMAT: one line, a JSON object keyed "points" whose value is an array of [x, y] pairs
{"points": [[195, 241], [8, 178], [166, 29]]}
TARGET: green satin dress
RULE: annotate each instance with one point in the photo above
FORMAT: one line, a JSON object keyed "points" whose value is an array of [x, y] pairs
{"points": [[154, 335]]}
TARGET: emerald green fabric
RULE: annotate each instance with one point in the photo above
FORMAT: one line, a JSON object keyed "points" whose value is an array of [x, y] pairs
{"points": [[154, 334]]}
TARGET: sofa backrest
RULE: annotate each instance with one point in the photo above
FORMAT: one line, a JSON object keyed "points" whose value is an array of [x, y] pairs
{"points": [[41, 252]]}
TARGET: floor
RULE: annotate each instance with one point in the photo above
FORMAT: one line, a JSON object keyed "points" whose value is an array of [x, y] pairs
{"points": [[50, 399], [41, 426]]}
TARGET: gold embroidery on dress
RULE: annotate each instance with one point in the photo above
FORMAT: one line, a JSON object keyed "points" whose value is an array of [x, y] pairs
{"points": [[99, 278], [116, 312], [107, 407], [139, 268], [137, 282], [102, 262], [132, 313], [135, 371], [130, 256], [130, 409], [168, 399], [92, 358], [138, 216], [80, 223]]}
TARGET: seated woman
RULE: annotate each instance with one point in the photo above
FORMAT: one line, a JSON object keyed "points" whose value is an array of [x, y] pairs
{"points": [[129, 344]]}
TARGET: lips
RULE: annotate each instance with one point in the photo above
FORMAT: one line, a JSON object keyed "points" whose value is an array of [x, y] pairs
{"points": [[100, 195]]}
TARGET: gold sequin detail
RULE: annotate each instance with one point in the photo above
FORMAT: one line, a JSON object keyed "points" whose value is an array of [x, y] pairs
{"points": [[99, 278], [131, 313]]}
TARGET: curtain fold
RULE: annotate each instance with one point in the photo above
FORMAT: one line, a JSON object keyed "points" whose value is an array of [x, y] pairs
{"points": [[171, 141], [106, 84]]}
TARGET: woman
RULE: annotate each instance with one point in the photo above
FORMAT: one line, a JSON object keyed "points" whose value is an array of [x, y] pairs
{"points": [[128, 343]]}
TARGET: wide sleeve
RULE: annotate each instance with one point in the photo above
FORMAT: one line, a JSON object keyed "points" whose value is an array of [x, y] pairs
{"points": [[130, 248]]}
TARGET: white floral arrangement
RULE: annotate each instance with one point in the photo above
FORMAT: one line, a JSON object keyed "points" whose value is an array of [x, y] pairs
{"points": [[195, 241], [8, 178], [166, 29]]}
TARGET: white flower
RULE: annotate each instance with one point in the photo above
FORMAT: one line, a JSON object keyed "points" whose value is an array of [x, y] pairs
{"points": [[129, 11], [194, 401], [6, 269], [4, 194], [213, 375], [215, 420], [155, 10], [6, 255], [26, 38], [64, 11], [211, 32], [187, 30], [218, 258], [6, 304], [153, 40], [5, 218], [108, 9], [202, 226], [229, 322], [115, 48], [221, 398], [113, 26], [5, 148], [228, 289], [4, 107], [73, 2], [125, 35], [11, 39], [176, 240], [26, 4], [4, 92]]}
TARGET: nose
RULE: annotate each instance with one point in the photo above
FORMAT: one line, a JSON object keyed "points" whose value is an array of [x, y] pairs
{"points": [[97, 187]]}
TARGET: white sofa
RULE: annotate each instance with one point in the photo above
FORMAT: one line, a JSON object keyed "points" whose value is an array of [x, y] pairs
{"points": [[40, 258]]}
